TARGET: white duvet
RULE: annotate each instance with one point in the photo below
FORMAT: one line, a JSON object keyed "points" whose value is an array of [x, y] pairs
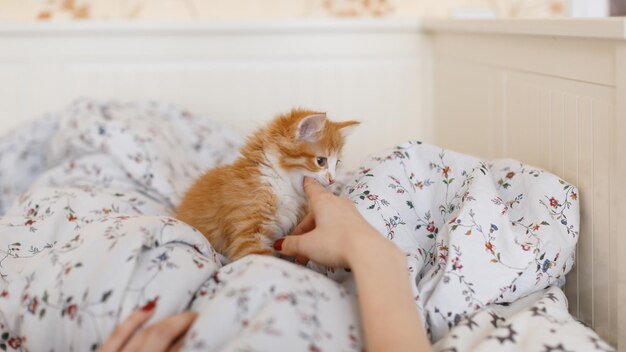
{"points": [[87, 237]]}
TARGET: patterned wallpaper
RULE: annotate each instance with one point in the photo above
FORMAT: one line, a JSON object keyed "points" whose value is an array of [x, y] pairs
{"points": [[46, 10]]}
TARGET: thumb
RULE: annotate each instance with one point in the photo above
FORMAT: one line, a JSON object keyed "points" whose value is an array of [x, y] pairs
{"points": [[293, 245]]}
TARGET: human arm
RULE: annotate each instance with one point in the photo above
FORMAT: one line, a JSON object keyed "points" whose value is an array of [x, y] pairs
{"points": [[335, 234]]}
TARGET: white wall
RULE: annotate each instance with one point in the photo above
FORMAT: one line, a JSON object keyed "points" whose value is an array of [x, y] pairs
{"points": [[239, 73], [590, 8], [247, 9]]}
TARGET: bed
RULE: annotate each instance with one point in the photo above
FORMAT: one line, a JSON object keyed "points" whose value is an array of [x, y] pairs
{"points": [[493, 89]]}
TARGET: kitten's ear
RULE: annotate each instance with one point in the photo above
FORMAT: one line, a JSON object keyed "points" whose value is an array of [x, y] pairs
{"points": [[310, 127], [347, 127]]}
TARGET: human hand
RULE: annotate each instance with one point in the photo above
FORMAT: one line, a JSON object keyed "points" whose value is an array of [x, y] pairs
{"points": [[164, 335], [332, 233], [335, 234]]}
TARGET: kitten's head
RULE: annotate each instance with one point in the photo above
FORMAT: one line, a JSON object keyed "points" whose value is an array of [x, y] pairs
{"points": [[306, 143]]}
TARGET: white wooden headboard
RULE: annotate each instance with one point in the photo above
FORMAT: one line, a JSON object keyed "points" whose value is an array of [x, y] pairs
{"points": [[238, 73], [553, 94], [550, 93]]}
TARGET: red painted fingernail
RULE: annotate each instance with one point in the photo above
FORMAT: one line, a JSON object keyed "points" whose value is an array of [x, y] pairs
{"points": [[150, 305], [278, 245]]}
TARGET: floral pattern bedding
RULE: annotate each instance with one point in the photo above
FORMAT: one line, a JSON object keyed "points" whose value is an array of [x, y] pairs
{"points": [[87, 236]]}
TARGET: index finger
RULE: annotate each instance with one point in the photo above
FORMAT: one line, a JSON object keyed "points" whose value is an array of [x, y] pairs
{"points": [[313, 190]]}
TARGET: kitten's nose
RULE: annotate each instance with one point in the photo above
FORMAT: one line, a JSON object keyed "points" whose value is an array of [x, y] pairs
{"points": [[331, 180]]}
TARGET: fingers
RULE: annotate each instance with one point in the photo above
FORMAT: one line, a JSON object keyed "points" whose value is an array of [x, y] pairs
{"points": [[295, 245], [302, 260], [313, 190], [122, 332], [161, 335], [307, 224], [287, 245], [177, 346]]}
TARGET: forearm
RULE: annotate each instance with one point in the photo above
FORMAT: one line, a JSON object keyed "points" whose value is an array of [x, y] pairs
{"points": [[390, 318]]}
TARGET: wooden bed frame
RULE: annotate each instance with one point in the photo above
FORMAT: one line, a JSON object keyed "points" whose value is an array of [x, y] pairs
{"points": [[553, 94], [549, 92]]}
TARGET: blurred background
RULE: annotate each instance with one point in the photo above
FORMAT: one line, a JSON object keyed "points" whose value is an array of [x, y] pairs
{"points": [[240, 62], [261, 9]]}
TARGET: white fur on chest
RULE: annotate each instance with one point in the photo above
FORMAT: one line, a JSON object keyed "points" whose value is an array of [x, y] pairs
{"points": [[289, 201]]}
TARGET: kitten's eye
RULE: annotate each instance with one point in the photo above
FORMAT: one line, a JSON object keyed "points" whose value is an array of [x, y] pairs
{"points": [[321, 161]]}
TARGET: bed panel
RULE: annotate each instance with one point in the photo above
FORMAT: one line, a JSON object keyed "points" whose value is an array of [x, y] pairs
{"points": [[562, 119], [618, 203]]}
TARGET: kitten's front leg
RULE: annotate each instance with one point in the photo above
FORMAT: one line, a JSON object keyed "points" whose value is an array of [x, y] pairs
{"points": [[251, 244]]}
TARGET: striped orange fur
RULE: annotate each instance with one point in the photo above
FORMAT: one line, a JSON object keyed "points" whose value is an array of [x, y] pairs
{"points": [[243, 207]]}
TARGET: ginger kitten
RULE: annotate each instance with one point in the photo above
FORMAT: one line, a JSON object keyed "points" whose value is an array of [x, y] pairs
{"points": [[243, 207]]}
